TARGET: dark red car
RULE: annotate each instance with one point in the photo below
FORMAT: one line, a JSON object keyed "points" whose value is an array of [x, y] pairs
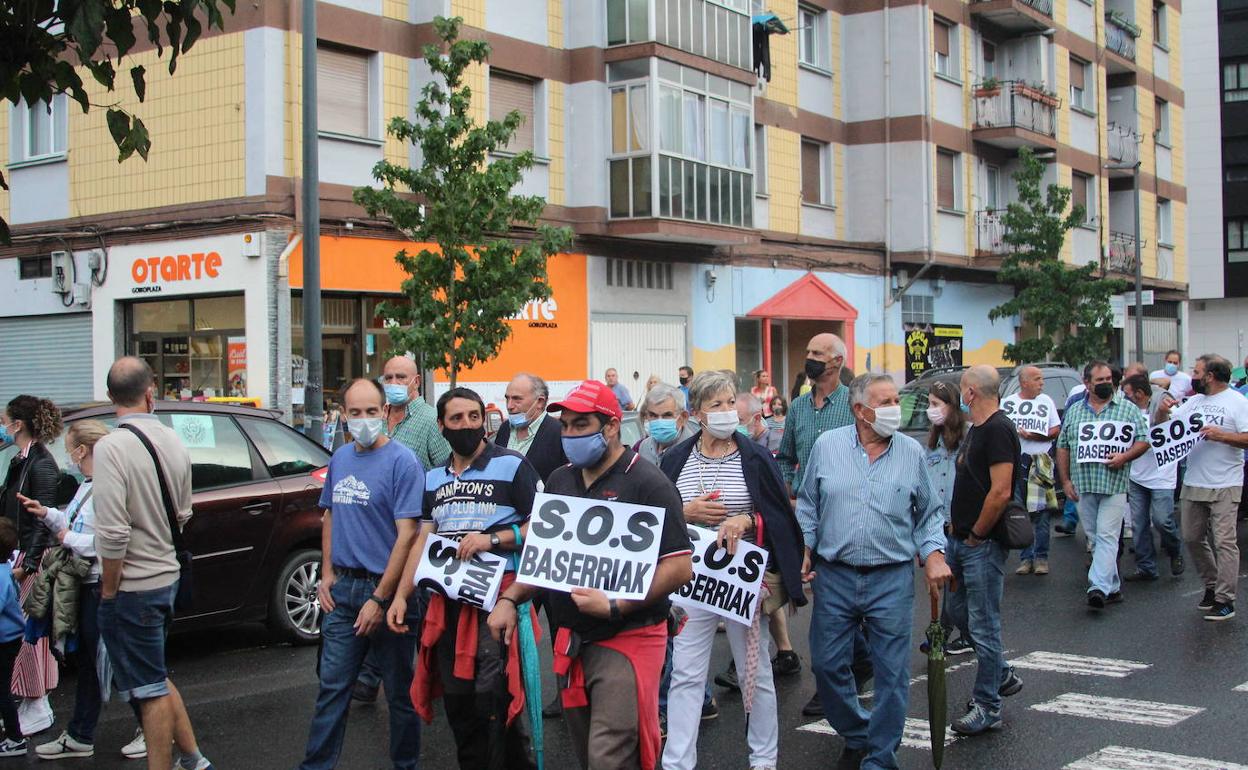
{"points": [[256, 532]]}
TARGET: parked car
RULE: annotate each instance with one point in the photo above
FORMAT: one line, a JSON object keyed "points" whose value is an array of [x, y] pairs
{"points": [[256, 532], [1059, 380]]}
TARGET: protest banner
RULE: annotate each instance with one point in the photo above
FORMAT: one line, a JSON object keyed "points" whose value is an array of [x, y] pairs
{"points": [[1171, 441], [723, 583], [1098, 441], [1026, 414], [474, 582], [574, 542]]}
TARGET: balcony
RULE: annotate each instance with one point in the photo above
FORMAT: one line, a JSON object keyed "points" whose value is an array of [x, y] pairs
{"points": [[1124, 147], [718, 29], [1015, 114], [990, 232], [1015, 16], [1120, 36], [1122, 253]]}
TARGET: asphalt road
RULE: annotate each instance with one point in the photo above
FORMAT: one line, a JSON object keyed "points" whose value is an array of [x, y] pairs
{"points": [[251, 702]]}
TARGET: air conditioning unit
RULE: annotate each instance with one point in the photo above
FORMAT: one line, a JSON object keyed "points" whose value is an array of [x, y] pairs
{"points": [[62, 272]]}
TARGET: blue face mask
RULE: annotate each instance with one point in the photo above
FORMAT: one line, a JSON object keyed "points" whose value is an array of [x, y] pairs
{"points": [[662, 430], [5, 437], [1171, 370], [397, 394], [519, 421], [585, 451]]}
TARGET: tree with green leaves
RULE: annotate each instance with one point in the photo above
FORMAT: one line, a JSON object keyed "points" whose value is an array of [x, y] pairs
{"points": [[460, 294], [43, 43], [1067, 305]]}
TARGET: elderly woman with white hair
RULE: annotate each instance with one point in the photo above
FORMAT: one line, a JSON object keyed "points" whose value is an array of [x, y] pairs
{"points": [[665, 420], [733, 487]]}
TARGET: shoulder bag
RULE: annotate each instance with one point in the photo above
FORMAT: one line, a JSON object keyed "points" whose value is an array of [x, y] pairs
{"points": [[1014, 529], [181, 601]]}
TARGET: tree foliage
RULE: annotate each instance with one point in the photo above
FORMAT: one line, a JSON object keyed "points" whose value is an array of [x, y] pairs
{"points": [[1068, 305], [460, 295], [44, 42]]}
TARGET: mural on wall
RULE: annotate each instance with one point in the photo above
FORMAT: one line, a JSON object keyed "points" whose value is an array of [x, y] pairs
{"points": [[932, 346]]}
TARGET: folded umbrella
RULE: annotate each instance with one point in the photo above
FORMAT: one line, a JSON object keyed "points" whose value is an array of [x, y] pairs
{"points": [[937, 705]]}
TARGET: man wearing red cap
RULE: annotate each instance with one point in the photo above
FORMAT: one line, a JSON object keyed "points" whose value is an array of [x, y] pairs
{"points": [[609, 652]]}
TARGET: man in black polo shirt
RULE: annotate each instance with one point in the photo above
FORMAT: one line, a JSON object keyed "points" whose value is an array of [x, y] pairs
{"points": [[609, 651]]}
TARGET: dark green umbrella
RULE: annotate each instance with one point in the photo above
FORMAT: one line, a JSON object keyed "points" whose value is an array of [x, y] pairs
{"points": [[937, 705]]}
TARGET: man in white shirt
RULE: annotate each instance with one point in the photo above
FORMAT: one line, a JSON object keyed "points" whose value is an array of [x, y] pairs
{"points": [[1172, 377], [1035, 416], [1150, 497], [1213, 484]]}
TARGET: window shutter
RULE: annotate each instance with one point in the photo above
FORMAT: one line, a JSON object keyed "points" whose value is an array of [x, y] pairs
{"points": [[1079, 193], [942, 38], [507, 93], [812, 173], [342, 91], [1077, 74], [945, 197]]}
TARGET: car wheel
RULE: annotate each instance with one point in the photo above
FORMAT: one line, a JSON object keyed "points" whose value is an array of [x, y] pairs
{"points": [[295, 609]]}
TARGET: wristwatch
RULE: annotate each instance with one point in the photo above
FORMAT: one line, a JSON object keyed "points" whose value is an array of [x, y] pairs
{"points": [[495, 541], [615, 611], [383, 603]]}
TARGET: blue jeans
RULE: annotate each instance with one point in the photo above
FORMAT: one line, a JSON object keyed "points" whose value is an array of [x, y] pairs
{"points": [[665, 682], [980, 574], [1040, 548], [134, 626], [87, 702], [1101, 516], [342, 654], [1070, 515], [1152, 508], [845, 599]]}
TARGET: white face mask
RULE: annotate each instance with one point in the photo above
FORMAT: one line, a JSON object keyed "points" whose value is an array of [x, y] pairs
{"points": [[366, 430], [721, 424], [936, 415], [887, 420]]}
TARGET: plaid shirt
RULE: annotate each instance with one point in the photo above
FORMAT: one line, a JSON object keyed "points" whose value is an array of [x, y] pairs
{"points": [[1098, 478], [418, 431], [804, 424]]}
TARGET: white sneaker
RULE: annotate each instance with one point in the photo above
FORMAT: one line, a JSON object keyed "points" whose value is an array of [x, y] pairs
{"points": [[35, 715], [65, 747], [137, 747], [11, 748]]}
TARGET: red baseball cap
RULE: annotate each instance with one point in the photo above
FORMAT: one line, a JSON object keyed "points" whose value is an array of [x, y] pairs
{"points": [[589, 397]]}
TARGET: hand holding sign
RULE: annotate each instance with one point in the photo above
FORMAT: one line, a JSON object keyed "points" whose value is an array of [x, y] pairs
{"points": [[1102, 440], [727, 584], [474, 582], [1171, 441]]}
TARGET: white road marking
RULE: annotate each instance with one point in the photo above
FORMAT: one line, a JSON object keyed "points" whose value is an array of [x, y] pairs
{"points": [[923, 677], [1139, 712], [1123, 758], [1242, 688], [915, 735], [1078, 664]]}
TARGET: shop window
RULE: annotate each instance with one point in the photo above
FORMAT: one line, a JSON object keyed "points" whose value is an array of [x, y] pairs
{"points": [[917, 308], [219, 313], [34, 267], [284, 452], [517, 93], [161, 317], [1235, 82], [813, 37], [220, 455], [639, 274], [41, 131], [345, 92]]}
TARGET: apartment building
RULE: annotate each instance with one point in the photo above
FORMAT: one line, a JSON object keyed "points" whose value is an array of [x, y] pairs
{"points": [[740, 175], [1216, 62]]}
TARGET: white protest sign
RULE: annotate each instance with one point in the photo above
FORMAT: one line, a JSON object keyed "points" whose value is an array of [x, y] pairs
{"points": [[1171, 441], [474, 582], [574, 542], [1098, 441], [724, 584], [1030, 416]]}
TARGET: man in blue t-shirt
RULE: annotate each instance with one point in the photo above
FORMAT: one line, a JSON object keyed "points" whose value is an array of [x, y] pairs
{"points": [[371, 502]]}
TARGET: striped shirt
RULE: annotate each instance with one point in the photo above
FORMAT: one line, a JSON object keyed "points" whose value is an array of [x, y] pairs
{"points": [[867, 513], [804, 424], [702, 474], [1098, 478], [418, 431], [494, 492]]}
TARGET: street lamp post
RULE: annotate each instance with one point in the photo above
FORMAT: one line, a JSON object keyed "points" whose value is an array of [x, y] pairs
{"points": [[1139, 260], [313, 403]]}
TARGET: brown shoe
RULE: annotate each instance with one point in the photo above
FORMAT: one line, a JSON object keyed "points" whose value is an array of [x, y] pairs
{"points": [[1026, 568], [1042, 566]]}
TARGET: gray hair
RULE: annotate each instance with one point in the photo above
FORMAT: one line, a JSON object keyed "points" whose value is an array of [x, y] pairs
{"points": [[751, 402], [838, 347], [862, 383], [707, 385], [540, 388], [660, 393]]}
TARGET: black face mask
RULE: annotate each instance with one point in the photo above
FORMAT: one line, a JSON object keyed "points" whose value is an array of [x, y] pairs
{"points": [[1103, 390], [464, 441], [684, 380], [1198, 386], [815, 369]]}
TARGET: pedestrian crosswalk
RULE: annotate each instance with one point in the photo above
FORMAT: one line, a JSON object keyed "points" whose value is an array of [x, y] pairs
{"points": [[1124, 758], [1139, 712], [1081, 665], [1242, 688], [916, 734]]}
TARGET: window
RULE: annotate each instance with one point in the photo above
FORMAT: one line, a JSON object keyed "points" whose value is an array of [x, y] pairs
{"points": [[344, 92], [285, 452], [1164, 231], [948, 180], [1235, 82], [1161, 126], [992, 188], [513, 92], [34, 267], [946, 47], [1083, 193], [627, 21], [760, 159], [1159, 23], [220, 455], [1082, 76], [639, 274], [816, 186], [1237, 240], [812, 40], [39, 132], [1237, 172], [917, 308], [630, 120], [990, 60]]}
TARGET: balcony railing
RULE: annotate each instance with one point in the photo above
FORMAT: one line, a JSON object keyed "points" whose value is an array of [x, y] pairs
{"points": [[1015, 104], [990, 231], [1122, 253], [1043, 6], [1120, 35], [716, 29], [1124, 144]]}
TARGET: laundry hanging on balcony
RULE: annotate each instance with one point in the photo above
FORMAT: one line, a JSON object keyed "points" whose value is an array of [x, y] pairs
{"points": [[764, 25]]}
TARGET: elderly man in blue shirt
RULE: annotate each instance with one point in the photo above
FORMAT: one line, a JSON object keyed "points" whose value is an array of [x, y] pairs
{"points": [[867, 509]]}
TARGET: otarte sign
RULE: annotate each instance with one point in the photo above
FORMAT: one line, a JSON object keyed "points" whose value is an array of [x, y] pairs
{"points": [[474, 582], [150, 273], [1098, 441], [723, 583], [574, 542], [1171, 441]]}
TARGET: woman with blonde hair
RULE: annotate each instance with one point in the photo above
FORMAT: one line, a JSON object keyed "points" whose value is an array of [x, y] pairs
{"points": [[763, 390]]}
